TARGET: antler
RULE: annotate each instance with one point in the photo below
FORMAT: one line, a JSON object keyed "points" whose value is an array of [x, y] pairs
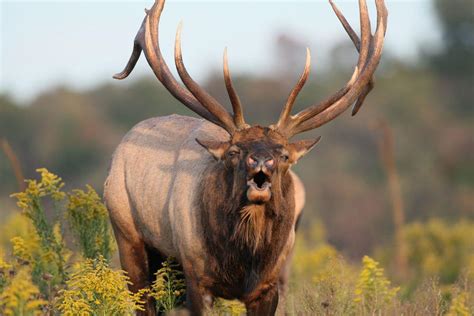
{"points": [[194, 97], [234, 98], [286, 112], [356, 89]]}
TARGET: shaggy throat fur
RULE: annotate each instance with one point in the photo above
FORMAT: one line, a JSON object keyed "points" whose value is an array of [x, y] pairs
{"points": [[250, 230]]}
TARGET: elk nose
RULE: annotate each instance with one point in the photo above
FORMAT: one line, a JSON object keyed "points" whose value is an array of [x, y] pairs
{"points": [[259, 162]]}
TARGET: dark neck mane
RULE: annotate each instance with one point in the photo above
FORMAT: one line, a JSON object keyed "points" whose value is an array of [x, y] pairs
{"points": [[243, 241]]}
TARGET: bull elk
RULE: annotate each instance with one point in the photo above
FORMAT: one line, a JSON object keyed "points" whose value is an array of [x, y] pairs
{"points": [[216, 193]]}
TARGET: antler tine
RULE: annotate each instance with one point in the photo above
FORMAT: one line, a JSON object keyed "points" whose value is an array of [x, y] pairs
{"points": [[361, 82], [132, 62], [355, 39], [363, 95], [234, 98], [286, 112], [350, 31], [147, 40], [205, 98], [359, 88]]}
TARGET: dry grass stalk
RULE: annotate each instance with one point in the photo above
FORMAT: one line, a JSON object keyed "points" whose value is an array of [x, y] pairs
{"points": [[387, 155], [16, 166]]}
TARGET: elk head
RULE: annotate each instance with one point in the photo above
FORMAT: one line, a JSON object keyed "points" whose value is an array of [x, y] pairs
{"points": [[256, 156]]}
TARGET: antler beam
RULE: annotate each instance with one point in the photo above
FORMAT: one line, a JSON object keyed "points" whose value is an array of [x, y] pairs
{"points": [[194, 97]]}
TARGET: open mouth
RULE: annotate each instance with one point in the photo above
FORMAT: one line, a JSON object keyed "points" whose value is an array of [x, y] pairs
{"points": [[260, 181]]}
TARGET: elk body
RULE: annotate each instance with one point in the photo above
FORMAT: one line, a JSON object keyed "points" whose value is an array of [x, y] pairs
{"points": [[215, 193]]}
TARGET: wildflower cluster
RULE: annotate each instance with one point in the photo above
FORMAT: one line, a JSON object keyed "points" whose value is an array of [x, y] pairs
{"points": [[226, 307], [459, 306], [327, 280], [20, 250], [21, 296], [438, 248], [314, 261], [169, 288], [94, 288], [88, 219], [45, 250], [40, 277], [5, 270], [50, 185], [373, 289]]}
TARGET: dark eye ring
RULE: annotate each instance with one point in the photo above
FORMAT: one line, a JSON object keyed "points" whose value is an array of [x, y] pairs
{"points": [[285, 158]]}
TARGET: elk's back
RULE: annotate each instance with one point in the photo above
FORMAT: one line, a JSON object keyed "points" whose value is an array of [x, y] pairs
{"points": [[154, 176]]}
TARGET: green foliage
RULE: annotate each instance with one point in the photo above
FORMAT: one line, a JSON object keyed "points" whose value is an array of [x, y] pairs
{"points": [[46, 251], [322, 282], [169, 287], [457, 21], [46, 254], [373, 291], [95, 289], [89, 221], [437, 248]]}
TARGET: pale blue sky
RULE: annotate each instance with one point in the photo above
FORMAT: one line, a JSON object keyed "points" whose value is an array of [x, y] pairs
{"points": [[82, 43]]}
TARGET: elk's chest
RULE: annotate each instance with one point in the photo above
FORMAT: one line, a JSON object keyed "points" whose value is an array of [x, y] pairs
{"points": [[244, 258]]}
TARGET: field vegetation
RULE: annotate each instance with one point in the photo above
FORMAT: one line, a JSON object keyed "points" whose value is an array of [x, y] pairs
{"points": [[41, 272]]}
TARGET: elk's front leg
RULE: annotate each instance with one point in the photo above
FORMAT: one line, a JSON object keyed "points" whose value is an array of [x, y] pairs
{"points": [[198, 300], [265, 304]]}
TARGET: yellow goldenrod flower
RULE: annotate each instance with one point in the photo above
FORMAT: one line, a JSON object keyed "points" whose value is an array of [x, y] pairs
{"points": [[459, 306], [373, 289], [169, 288], [96, 289], [20, 250], [21, 296], [89, 221]]}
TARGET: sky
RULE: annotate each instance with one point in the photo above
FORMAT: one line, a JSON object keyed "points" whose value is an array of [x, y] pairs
{"points": [[80, 44]]}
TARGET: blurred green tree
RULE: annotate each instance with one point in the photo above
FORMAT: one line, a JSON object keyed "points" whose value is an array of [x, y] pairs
{"points": [[454, 62]]}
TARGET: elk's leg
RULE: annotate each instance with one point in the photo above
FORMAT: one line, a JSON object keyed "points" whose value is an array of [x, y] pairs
{"points": [[283, 284], [134, 260], [194, 300], [285, 276], [265, 304], [197, 299]]}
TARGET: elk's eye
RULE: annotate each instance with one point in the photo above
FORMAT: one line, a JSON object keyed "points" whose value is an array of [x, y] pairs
{"points": [[233, 153], [284, 158]]}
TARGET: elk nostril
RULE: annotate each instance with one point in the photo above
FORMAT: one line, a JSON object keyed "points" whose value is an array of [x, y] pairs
{"points": [[251, 162], [269, 163]]}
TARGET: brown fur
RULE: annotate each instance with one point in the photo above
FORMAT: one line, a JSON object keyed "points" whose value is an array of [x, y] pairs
{"points": [[244, 242], [251, 228]]}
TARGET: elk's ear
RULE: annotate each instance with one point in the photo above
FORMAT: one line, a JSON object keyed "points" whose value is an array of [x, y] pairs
{"points": [[300, 148], [216, 148]]}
